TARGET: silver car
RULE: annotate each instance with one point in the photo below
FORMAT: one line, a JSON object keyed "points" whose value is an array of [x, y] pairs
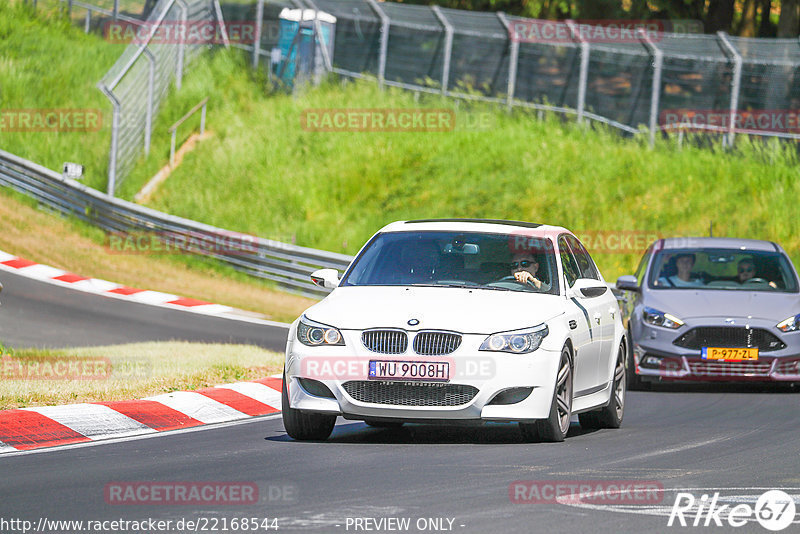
{"points": [[712, 309]]}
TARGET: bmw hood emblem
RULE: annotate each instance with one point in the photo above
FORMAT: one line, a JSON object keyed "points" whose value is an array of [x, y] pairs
{"points": [[413, 322]]}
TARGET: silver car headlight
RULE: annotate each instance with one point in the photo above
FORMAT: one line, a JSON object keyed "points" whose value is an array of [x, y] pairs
{"points": [[792, 324], [314, 334], [517, 341], [659, 318]]}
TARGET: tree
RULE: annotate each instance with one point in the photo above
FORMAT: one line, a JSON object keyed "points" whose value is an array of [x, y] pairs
{"points": [[747, 24], [719, 16], [788, 24]]}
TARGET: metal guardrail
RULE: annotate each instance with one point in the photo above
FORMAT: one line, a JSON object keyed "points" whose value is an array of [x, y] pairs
{"points": [[286, 264]]}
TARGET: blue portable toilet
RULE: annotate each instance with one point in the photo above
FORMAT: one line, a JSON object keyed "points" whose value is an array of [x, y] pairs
{"points": [[300, 55]]}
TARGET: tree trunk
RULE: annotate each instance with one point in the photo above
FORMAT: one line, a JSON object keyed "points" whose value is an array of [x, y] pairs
{"points": [[788, 23], [765, 27], [720, 16], [747, 24]]}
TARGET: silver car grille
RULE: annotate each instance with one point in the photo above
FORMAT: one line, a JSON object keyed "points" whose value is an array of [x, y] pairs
{"points": [[385, 341], [405, 394], [436, 343]]}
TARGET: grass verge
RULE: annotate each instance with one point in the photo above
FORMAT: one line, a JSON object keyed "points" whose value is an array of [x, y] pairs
{"points": [[74, 246], [124, 372]]}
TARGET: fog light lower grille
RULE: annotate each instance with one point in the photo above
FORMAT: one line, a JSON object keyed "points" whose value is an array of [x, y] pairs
{"points": [[405, 394]]}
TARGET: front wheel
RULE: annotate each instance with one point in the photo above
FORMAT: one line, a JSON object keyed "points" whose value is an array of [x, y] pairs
{"points": [[304, 426], [556, 426], [610, 416]]}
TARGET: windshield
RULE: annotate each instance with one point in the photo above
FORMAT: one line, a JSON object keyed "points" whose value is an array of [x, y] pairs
{"points": [[456, 259], [732, 269]]}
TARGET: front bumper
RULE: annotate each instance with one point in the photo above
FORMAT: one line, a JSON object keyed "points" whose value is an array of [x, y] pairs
{"points": [[494, 378], [657, 358]]}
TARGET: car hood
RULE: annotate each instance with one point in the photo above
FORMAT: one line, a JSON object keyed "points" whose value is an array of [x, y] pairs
{"points": [[441, 308], [687, 303]]}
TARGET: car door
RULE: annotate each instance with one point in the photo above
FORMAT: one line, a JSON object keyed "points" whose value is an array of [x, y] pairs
{"points": [[586, 335], [605, 306]]}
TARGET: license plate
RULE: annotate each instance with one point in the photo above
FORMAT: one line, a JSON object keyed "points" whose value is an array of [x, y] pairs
{"points": [[729, 354], [399, 370]]}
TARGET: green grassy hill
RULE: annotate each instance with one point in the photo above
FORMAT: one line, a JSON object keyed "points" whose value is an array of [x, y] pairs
{"points": [[47, 64], [263, 173]]}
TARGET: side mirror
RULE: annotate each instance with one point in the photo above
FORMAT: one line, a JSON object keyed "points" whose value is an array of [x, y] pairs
{"points": [[328, 278], [628, 283], [588, 288]]}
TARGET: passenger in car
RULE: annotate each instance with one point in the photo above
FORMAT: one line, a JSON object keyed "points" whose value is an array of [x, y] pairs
{"points": [[683, 278]]}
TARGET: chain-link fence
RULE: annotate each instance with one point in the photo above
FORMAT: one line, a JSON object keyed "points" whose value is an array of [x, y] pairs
{"points": [[631, 79], [137, 83]]}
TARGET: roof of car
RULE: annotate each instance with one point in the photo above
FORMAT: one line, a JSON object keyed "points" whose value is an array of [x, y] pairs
{"points": [[717, 242], [476, 225]]}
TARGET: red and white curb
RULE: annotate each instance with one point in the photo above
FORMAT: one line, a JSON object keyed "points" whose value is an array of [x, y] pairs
{"points": [[47, 426], [45, 273]]}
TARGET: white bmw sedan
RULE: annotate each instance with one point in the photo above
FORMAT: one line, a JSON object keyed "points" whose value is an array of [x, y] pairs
{"points": [[459, 320]]}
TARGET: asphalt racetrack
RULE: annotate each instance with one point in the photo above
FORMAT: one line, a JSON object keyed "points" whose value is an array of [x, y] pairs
{"points": [[736, 442]]}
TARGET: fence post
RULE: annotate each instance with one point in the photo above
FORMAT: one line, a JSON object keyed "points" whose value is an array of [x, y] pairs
{"points": [[151, 80], [583, 75], [326, 58], [182, 45], [221, 22], [512, 60], [112, 155], [448, 46], [257, 37], [115, 12], [658, 61], [736, 82], [384, 41], [88, 22]]}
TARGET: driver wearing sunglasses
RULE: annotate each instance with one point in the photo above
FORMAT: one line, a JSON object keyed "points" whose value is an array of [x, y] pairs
{"points": [[524, 268]]}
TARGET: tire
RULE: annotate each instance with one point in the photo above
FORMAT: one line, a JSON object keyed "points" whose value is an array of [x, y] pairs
{"points": [[610, 416], [384, 424], [304, 426], [556, 426], [634, 381]]}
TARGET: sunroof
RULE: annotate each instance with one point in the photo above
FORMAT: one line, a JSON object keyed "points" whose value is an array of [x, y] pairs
{"points": [[487, 221]]}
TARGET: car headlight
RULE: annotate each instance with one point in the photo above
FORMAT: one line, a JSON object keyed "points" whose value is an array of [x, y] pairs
{"points": [[659, 318], [792, 324], [313, 334], [517, 341]]}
